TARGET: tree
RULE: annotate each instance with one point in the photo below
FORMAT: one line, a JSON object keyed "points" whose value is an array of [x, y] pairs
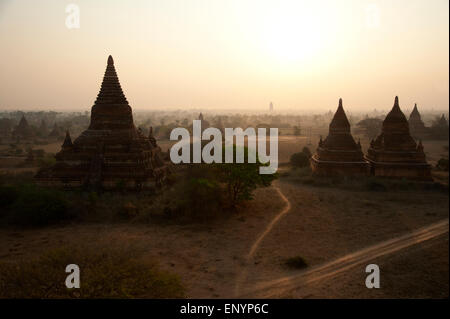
{"points": [[300, 159], [241, 179], [297, 131], [306, 151], [370, 127]]}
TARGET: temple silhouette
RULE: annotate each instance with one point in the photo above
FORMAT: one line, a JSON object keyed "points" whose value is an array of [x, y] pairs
{"points": [[339, 154], [394, 153], [111, 151]]}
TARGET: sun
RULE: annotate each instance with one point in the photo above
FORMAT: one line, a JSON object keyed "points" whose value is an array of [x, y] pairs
{"points": [[291, 32], [292, 38]]}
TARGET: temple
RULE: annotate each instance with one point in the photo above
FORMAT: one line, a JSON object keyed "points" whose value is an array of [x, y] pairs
{"points": [[339, 154], [111, 152], [394, 153], [23, 130], [416, 126], [56, 132]]}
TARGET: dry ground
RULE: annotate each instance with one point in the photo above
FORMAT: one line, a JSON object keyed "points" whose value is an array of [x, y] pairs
{"points": [[323, 223]]}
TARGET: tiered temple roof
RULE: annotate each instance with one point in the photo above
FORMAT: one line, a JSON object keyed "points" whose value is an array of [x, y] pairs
{"points": [[339, 154], [111, 151], [394, 153]]}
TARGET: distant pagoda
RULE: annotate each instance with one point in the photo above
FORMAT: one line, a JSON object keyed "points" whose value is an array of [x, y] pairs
{"points": [[416, 125], [43, 130], [111, 151], [394, 153], [23, 130], [56, 132], [339, 154]]}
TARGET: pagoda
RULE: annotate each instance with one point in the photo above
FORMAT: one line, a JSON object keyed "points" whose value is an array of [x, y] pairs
{"points": [[43, 130], [416, 125], [339, 154], [111, 152], [394, 153], [56, 132], [23, 130]]}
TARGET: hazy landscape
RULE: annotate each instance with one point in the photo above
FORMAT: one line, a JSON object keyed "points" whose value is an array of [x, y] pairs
{"points": [[87, 176]]}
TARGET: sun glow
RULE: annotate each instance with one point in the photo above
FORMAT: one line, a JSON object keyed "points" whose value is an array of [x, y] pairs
{"points": [[292, 39], [291, 32]]}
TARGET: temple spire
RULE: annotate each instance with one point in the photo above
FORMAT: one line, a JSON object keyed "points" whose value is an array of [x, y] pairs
{"points": [[396, 104], [67, 141], [340, 121], [111, 109]]}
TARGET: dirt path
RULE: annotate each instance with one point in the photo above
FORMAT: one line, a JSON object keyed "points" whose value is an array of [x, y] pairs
{"points": [[274, 288], [243, 274]]}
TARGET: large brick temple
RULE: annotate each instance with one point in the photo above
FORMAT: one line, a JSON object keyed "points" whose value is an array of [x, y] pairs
{"points": [[111, 151], [394, 153], [339, 154]]}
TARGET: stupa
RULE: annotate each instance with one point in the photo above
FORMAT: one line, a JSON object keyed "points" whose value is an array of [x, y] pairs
{"points": [[43, 130], [416, 126], [339, 154], [56, 132], [394, 153], [111, 152], [23, 130]]}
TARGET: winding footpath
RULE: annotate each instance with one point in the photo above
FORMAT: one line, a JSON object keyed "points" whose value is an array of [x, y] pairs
{"points": [[276, 288], [243, 275]]}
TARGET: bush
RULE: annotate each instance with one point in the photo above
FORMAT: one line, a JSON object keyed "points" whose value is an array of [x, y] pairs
{"points": [[442, 164], [8, 195], [300, 159], [306, 151], [39, 206], [47, 161], [296, 262], [198, 197], [104, 273]]}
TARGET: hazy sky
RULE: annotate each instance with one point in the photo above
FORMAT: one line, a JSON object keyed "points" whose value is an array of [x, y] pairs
{"points": [[227, 54]]}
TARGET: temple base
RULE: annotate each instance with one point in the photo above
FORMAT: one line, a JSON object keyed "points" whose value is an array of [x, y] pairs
{"points": [[413, 171], [332, 168]]}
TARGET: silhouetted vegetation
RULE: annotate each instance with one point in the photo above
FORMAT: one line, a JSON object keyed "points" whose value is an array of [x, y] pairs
{"points": [[30, 205], [296, 262], [301, 159], [106, 273]]}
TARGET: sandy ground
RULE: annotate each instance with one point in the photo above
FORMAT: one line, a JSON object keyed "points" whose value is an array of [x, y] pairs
{"points": [[322, 224], [420, 271]]}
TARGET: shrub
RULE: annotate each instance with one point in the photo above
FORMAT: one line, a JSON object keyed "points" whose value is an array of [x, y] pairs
{"points": [[306, 151], [104, 273], [300, 159], [375, 185], [442, 164], [8, 195], [46, 161], [241, 179], [39, 206], [296, 262]]}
